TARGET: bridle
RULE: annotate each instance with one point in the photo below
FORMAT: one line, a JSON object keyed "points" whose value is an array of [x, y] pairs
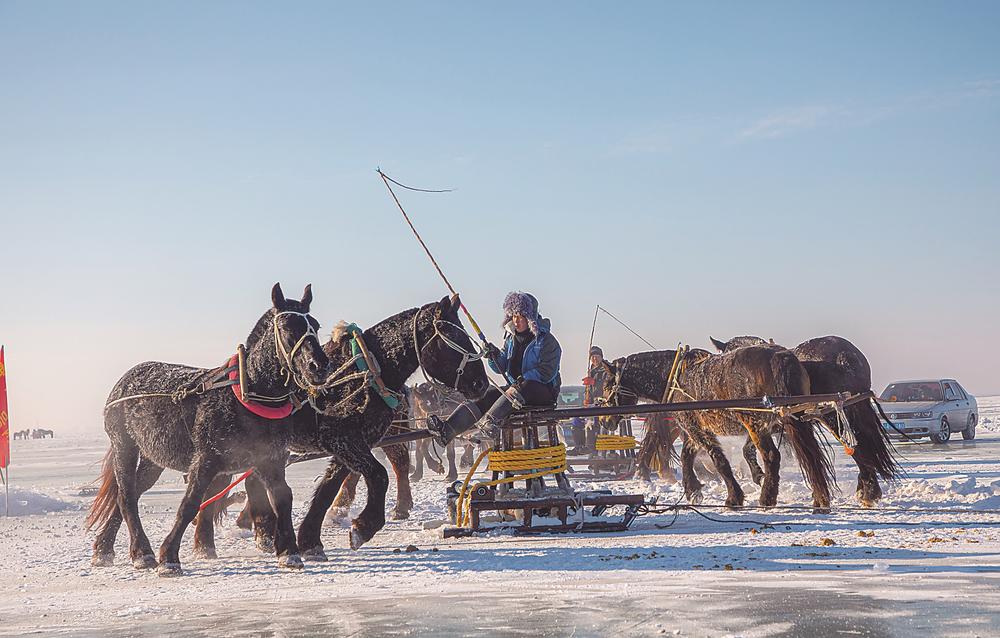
{"points": [[288, 355], [618, 390], [467, 356]]}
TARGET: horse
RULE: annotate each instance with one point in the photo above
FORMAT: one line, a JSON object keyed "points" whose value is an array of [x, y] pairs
{"points": [[162, 415], [428, 399], [22, 434], [657, 448], [41, 434], [746, 372], [835, 365], [429, 337]]}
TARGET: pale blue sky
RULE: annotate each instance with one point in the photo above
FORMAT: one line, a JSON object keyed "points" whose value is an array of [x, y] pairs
{"points": [[782, 169]]}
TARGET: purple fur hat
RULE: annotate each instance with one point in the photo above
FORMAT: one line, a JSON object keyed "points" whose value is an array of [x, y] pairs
{"points": [[524, 304]]}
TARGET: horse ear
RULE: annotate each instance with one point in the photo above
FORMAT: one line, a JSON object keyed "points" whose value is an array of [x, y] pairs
{"points": [[771, 341], [444, 306], [277, 297], [307, 296], [720, 345]]}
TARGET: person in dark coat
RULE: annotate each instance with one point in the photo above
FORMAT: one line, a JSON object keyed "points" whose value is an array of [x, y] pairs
{"points": [[529, 362]]}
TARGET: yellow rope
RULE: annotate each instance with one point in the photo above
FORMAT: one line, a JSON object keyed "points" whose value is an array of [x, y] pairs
{"points": [[545, 460], [615, 442]]}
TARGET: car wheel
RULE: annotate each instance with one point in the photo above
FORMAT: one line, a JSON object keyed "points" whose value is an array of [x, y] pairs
{"points": [[969, 432], [944, 434]]}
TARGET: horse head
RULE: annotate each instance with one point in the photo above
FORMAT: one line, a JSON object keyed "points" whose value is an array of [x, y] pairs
{"points": [[293, 341], [615, 393], [445, 350]]}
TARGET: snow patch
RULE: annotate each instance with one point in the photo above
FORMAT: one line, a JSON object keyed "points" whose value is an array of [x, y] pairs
{"points": [[25, 502]]}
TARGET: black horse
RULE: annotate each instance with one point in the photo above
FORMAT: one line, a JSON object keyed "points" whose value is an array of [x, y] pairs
{"points": [[207, 433], [834, 365], [429, 337], [748, 372]]}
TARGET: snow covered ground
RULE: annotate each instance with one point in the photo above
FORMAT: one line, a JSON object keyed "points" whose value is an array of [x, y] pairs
{"points": [[883, 572]]}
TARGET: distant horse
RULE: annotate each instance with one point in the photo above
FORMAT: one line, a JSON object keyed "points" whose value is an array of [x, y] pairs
{"points": [[745, 373], [41, 434], [428, 399], [22, 434], [163, 415], [835, 365], [429, 337]]}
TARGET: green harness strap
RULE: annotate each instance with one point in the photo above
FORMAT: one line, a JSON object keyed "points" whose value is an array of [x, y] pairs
{"points": [[354, 331]]}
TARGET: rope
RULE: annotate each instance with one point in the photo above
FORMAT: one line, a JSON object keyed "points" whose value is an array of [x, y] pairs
{"points": [[224, 492], [626, 326], [538, 459], [616, 442]]}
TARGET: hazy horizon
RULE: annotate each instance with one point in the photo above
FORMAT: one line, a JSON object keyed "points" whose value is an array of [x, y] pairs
{"points": [[784, 170]]}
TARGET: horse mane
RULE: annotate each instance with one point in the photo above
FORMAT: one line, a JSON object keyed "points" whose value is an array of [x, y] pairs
{"points": [[263, 324]]}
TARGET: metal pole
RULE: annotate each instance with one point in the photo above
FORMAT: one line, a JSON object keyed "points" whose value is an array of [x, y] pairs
{"points": [[593, 326]]}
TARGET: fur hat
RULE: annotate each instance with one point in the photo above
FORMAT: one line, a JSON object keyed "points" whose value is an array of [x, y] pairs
{"points": [[596, 350], [524, 304]]}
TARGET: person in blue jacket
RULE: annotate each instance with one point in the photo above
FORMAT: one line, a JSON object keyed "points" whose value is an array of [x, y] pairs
{"points": [[529, 361]]}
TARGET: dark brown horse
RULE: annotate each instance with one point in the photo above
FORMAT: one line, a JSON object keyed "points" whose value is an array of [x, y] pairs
{"points": [[834, 365], [745, 373]]}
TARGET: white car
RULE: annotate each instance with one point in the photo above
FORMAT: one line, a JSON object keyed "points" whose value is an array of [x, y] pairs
{"points": [[929, 407]]}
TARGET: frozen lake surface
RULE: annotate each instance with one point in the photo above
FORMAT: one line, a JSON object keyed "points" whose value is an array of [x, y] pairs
{"points": [[920, 573]]}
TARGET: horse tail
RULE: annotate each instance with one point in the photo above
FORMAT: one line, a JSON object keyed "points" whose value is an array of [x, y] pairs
{"points": [[815, 461], [106, 501], [874, 441]]}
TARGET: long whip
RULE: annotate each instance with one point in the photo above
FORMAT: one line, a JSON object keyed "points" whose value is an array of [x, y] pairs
{"points": [[626, 326], [386, 179]]}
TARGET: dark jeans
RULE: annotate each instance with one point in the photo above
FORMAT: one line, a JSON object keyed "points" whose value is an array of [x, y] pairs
{"points": [[534, 393]]}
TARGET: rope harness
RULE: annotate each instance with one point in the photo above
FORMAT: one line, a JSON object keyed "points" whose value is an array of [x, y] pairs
{"points": [[467, 356], [537, 462]]}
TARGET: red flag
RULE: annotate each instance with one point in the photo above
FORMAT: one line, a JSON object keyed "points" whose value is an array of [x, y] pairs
{"points": [[4, 424]]}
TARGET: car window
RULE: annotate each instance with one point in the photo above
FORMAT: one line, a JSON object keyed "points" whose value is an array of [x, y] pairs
{"points": [[949, 393], [960, 390], [913, 391]]}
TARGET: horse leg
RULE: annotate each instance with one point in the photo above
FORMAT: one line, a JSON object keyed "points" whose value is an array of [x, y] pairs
{"points": [[452, 468], [418, 460], [692, 486], [104, 545], [258, 515], [272, 475], [126, 459], [345, 498], [761, 440], [468, 456], [709, 442], [372, 518], [750, 456], [400, 459], [309, 529], [201, 473], [204, 522]]}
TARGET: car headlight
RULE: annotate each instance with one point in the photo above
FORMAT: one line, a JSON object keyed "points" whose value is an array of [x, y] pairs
{"points": [[923, 415]]}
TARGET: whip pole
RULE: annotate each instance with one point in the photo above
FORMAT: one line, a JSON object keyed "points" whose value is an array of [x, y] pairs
{"points": [[386, 179]]}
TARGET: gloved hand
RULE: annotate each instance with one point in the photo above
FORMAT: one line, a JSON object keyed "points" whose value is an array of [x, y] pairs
{"points": [[492, 353]]}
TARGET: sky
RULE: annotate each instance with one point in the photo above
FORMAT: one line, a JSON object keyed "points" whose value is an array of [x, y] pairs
{"points": [[788, 170]]}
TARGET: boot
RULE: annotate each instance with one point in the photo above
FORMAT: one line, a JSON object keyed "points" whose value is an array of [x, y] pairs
{"points": [[500, 410], [461, 420]]}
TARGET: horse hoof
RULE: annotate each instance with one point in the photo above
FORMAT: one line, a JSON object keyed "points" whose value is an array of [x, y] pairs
{"points": [[400, 516], [290, 561], [316, 553], [264, 544], [169, 570], [695, 498], [206, 553], [144, 562], [821, 510], [357, 539], [451, 478], [103, 560], [734, 503]]}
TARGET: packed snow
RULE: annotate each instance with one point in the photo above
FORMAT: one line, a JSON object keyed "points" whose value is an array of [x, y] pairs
{"points": [[926, 558]]}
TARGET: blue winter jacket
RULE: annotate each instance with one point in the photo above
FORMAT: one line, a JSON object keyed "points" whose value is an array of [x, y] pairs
{"points": [[541, 357]]}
